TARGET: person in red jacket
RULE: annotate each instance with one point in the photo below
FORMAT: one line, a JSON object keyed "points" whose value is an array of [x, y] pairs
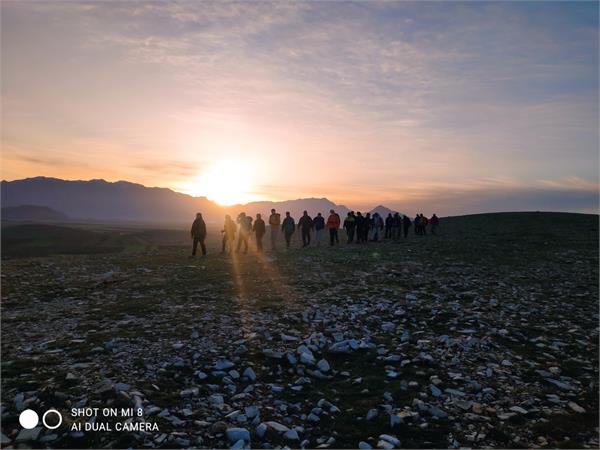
{"points": [[333, 223]]}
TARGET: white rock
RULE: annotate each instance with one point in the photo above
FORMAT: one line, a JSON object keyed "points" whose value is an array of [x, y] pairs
{"points": [[280, 428], [307, 358], [238, 445], [291, 435], [236, 434], [250, 374], [223, 364], [323, 365], [364, 446], [371, 414], [391, 439], [261, 429]]}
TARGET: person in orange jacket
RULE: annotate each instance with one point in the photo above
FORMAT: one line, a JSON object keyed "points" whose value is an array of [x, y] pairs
{"points": [[333, 223]]}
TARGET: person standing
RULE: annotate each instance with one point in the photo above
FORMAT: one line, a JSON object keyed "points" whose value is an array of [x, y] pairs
{"points": [[423, 224], [368, 227], [333, 223], [350, 226], [360, 224], [377, 226], [319, 223], [389, 222], [288, 227], [259, 229], [198, 233], [435, 221], [305, 224], [244, 232], [396, 226], [274, 223], [406, 224], [228, 231], [418, 224]]}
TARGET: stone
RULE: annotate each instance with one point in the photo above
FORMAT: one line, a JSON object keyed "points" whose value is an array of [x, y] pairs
{"points": [[575, 407], [29, 435], [371, 414], [364, 446], [277, 426], [323, 365], [292, 435], [223, 364], [249, 374], [236, 434]]}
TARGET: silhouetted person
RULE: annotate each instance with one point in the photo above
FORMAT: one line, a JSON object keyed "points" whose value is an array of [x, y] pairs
{"points": [[198, 233], [423, 224], [406, 224], [333, 223], [377, 226], [259, 229], [368, 227], [396, 226], [417, 223], [244, 232], [228, 231], [360, 227], [305, 224], [274, 223], [319, 223], [288, 227], [389, 222], [350, 226], [435, 222]]}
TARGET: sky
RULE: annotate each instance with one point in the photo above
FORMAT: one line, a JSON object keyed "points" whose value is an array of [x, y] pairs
{"points": [[444, 107]]}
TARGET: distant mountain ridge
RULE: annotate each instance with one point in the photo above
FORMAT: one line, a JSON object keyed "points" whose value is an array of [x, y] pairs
{"points": [[124, 201], [32, 213]]}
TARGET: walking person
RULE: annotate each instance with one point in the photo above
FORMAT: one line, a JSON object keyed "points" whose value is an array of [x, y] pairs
{"points": [[368, 227], [228, 231], [198, 233], [389, 222], [333, 223], [377, 226], [288, 227], [305, 224], [274, 223], [417, 222], [350, 227], [259, 229], [319, 224], [396, 226], [435, 222], [406, 224], [243, 233], [360, 225], [423, 223]]}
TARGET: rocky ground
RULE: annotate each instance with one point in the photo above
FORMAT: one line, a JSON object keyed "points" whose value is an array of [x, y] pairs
{"points": [[485, 336]]}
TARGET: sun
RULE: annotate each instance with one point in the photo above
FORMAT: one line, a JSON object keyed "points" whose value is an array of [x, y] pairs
{"points": [[226, 183]]}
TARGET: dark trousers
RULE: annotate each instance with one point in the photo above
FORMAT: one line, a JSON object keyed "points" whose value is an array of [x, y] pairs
{"points": [[259, 246], [288, 238], [406, 232], [350, 233], [388, 232], [242, 237], [305, 237], [333, 236], [202, 246]]}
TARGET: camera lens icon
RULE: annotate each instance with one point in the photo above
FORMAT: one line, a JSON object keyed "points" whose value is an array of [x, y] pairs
{"points": [[55, 426]]}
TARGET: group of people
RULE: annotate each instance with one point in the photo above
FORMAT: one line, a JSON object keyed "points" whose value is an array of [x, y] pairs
{"points": [[359, 229]]}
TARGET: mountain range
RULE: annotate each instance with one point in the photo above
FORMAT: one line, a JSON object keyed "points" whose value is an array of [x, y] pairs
{"points": [[124, 201]]}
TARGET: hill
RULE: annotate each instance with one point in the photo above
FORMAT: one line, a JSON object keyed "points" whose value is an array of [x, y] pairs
{"points": [[34, 213], [100, 200], [486, 328]]}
